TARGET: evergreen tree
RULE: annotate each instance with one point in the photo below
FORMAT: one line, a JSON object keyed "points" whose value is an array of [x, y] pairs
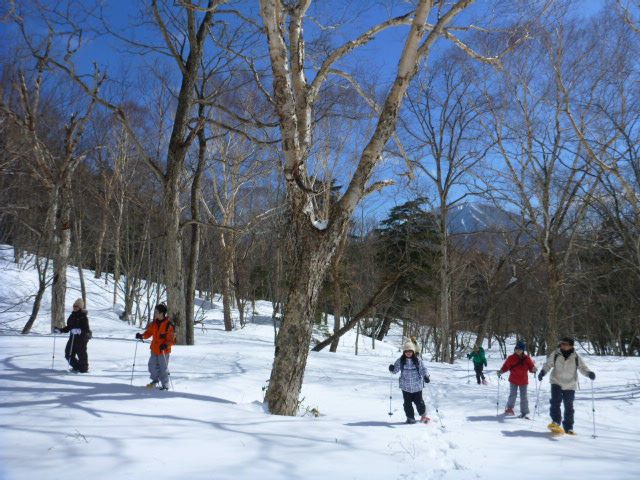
{"points": [[409, 244]]}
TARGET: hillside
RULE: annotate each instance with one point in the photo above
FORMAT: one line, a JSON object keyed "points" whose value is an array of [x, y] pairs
{"points": [[212, 425]]}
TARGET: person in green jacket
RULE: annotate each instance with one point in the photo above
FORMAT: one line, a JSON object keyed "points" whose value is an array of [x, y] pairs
{"points": [[479, 362]]}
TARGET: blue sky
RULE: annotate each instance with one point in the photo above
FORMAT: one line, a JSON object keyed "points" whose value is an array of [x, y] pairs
{"points": [[378, 59]]}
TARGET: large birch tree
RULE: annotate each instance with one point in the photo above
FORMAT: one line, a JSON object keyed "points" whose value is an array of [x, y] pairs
{"points": [[314, 239]]}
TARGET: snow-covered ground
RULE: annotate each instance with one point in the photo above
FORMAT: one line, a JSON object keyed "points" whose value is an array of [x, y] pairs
{"points": [[58, 425]]}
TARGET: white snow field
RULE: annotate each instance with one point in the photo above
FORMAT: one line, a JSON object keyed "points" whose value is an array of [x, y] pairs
{"points": [[212, 425]]}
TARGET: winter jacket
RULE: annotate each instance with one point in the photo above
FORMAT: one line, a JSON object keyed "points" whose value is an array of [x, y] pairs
{"points": [[163, 332], [564, 371], [478, 357], [78, 319], [412, 374], [519, 368]]}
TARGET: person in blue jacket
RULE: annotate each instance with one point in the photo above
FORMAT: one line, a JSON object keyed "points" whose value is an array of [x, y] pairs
{"points": [[413, 376]]}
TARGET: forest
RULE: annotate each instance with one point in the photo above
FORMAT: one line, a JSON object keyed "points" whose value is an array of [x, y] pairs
{"points": [[467, 170]]}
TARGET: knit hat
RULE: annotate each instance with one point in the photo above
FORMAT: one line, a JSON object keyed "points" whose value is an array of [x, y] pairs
{"points": [[409, 345], [162, 308], [79, 303], [567, 340], [520, 345]]}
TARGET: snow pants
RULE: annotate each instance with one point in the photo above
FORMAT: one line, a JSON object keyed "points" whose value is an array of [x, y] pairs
{"points": [[478, 369], [76, 353], [159, 369], [409, 400], [524, 400], [558, 396]]}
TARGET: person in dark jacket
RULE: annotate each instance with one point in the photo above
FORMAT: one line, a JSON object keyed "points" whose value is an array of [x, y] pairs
{"points": [[479, 362], [79, 334]]}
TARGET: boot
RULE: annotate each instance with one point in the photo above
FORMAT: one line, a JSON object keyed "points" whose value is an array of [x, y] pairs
{"points": [[152, 384], [425, 419], [509, 411], [410, 420], [555, 428]]}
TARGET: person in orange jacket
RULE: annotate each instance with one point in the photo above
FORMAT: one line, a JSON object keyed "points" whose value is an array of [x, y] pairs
{"points": [[163, 332]]}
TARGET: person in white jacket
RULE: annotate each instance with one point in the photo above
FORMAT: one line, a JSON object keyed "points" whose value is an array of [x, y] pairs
{"points": [[564, 364]]}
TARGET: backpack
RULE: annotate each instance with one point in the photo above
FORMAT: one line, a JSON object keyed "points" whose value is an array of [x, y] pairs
{"points": [[555, 357]]}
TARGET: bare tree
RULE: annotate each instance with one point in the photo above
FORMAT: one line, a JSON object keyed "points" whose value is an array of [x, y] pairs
{"points": [[314, 239], [185, 33], [444, 139], [54, 168], [549, 170]]}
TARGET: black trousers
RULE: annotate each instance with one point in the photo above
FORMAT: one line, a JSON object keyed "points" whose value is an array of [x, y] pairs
{"points": [[478, 369], [76, 353], [409, 400], [565, 397]]}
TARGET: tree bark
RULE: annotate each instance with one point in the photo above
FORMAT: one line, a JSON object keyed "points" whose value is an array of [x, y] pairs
{"points": [[227, 281], [314, 240], [42, 287], [444, 294], [194, 249], [62, 241], [308, 254]]}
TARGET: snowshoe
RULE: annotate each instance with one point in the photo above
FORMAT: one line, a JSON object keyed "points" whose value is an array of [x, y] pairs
{"points": [[484, 382], [152, 384], [524, 416], [570, 432], [509, 412], [555, 428], [163, 387], [410, 420], [425, 419]]}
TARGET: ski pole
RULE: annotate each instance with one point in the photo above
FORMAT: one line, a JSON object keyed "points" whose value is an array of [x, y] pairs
{"points": [[73, 337], [166, 365], [53, 356], [535, 410], [468, 374], [593, 410], [135, 353], [390, 394], [435, 407], [498, 397]]}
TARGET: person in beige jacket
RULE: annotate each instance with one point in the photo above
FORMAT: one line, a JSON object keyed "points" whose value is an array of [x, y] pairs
{"points": [[564, 364]]}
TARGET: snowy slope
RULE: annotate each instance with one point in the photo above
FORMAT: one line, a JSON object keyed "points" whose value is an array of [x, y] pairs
{"points": [[58, 425]]}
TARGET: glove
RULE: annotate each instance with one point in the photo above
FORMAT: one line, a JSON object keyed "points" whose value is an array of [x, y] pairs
{"points": [[499, 373], [56, 330], [76, 331], [485, 364], [139, 336], [592, 375], [392, 368], [163, 335], [541, 375], [164, 346], [426, 379]]}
